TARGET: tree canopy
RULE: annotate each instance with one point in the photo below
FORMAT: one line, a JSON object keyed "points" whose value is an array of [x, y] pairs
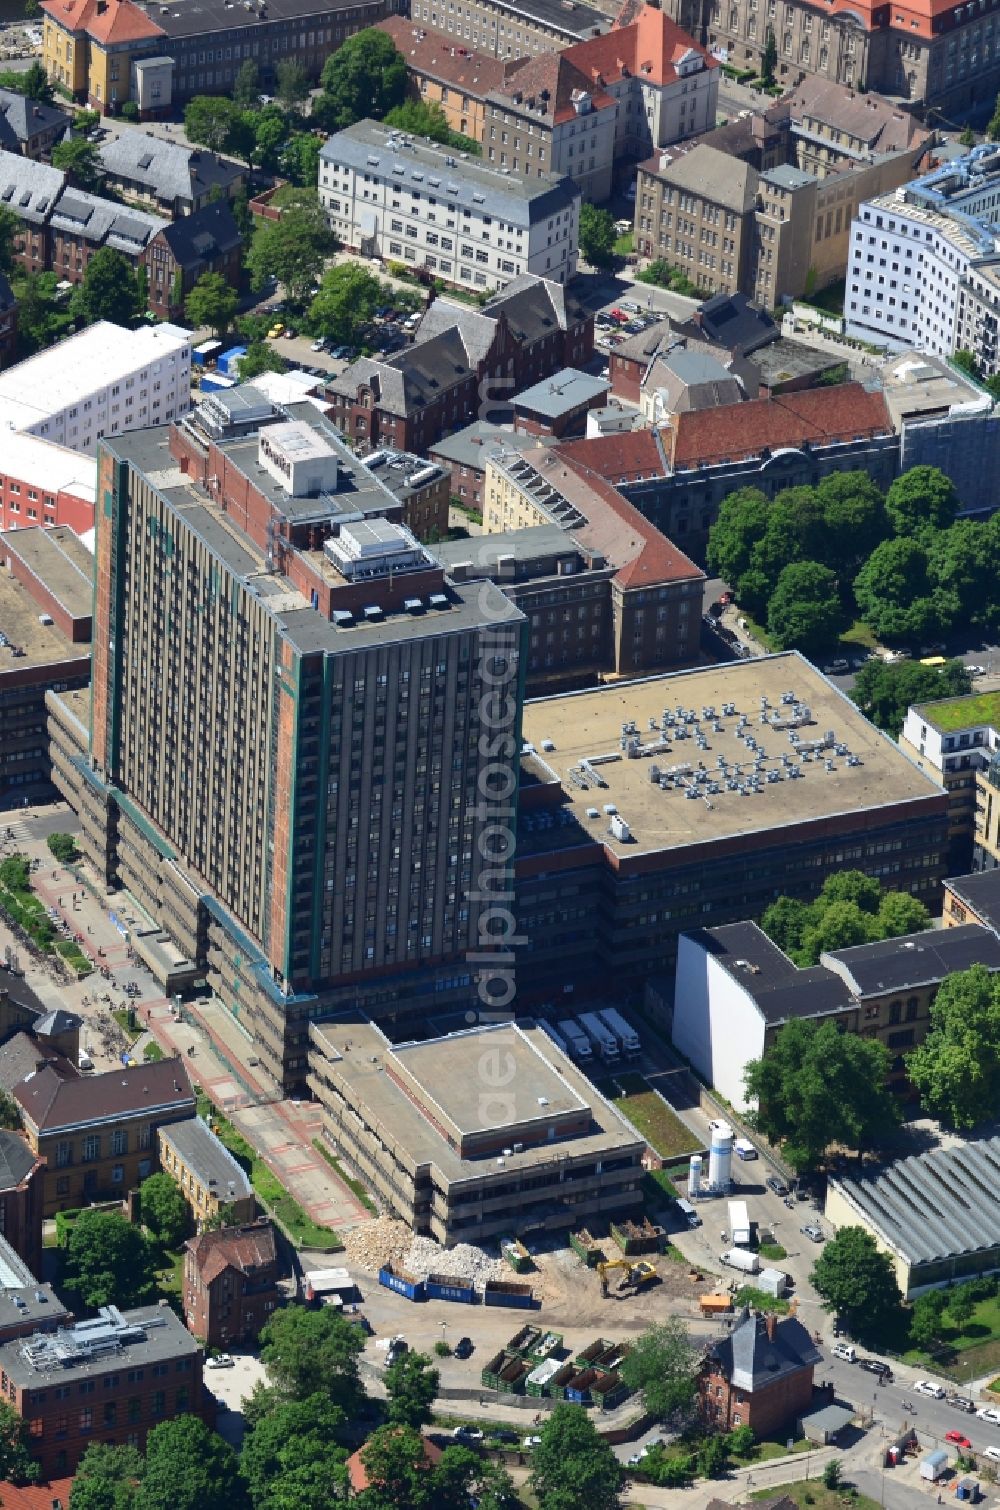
{"points": [[314, 1353], [291, 1459], [259, 358], [816, 1086], [957, 1067], [850, 909], [189, 1467], [663, 1365], [291, 249], [597, 235], [401, 1477], [857, 1282], [921, 498], [211, 303], [42, 317], [108, 1261], [366, 76], [427, 118], [107, 1478], [109, 291], [805, 610], [348, 297], [412, 1385], [573, 1466], [16, 1462], [164, 1209], [79, 158], [884, 692]]}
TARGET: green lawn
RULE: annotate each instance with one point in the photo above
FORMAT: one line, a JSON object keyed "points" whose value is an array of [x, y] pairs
{"points": [[129, 1023], [74, 957], [858, 637], [972, 1348], [811, 1495], [772, 1251], [623, 245], [652, 1117], [302, 1230], [749, 1295], [963, 712]]}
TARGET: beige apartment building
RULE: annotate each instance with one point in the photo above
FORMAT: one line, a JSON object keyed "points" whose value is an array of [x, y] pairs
{"points": [[779, 233], [465, 1135]]}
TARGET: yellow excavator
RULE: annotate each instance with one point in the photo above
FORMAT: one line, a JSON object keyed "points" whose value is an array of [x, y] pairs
{"points": [[636, 1275]]}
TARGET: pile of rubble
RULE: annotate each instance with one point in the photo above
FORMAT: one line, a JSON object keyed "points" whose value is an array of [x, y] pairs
{"points": [[387, 1241]]}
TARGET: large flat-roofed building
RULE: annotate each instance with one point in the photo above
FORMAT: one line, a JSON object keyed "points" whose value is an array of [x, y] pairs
{"points": [[512, 28], [109, 1379], [456, 1132], [735, 990], [615, 859], [298, 795], [935, 1214], [45, 597], [469, 222]]}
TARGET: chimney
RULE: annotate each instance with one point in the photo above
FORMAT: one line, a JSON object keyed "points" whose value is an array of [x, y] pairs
{"points": [[771, 1323]]}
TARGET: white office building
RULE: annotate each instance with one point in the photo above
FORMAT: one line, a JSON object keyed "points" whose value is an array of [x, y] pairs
{"points": [[102, 381], [471, 224], [912, 253]]}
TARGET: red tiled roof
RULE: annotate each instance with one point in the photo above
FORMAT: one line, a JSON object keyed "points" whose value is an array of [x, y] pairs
{"points": [[442, 58], [241, 1248], [819, 415], [557, 74], [36, 1496], [356, 1469], [625, 457], [117, 21], [649, 47]]}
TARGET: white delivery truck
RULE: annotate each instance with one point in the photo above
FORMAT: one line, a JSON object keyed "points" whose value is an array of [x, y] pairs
{"points": [[602, 1038], [625, 1034], [576, 1039], [739, 1224], [739, 1258]]}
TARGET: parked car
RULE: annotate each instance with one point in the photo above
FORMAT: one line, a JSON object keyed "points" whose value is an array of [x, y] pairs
{"points": [[463, 1347], [989, 1413], [959, 1439], [318, 345], [993, 1453], [846, 1351], [961, 1403], [530, 1442], [815, 1234], [220, 1360], [467, 1434], [839, 666], [778, 1186], [275, 332], [876, 1366], [631, 306], [925, 1387]]}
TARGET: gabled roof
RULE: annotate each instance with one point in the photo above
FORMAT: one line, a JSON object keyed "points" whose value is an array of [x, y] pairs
{"points": [[872, 122], [54, 1023], [167, 169], [27, 117], [28, 188], [651, 47], [16, 1161], [477, 328], [210, 232], [244, 1249], [819, 416], [551, 84], [760, 1352], [707, 172], [414, 378], [629, 457], [535, 306], [113, 21], [443, 58], [916, 960], [49, 1102], [43, 1496], [980, 891]]}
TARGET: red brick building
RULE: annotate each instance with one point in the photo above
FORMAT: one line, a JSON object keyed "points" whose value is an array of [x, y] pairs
{"points": [[110, 1379], [21, 1199], [760, 1375], [464, 364], [231, 1283]]}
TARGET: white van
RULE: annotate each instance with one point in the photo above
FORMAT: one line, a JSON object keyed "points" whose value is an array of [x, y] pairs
{"points": [[84, 1062], [846, 1351]]}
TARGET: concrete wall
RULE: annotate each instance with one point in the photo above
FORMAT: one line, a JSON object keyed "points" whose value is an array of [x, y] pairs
{"points": [[717, 1026]]}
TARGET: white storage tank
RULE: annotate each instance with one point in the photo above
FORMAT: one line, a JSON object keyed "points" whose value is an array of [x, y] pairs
{"points": [[694, 1174], [720, 1155]]}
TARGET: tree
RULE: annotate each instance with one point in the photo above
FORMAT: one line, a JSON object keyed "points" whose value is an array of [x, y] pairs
{"points": [[664, 1366], [41, 316], [893, 591], [216, 122], [130, 112], [225, 1216], [393, 1459], [966, 362], [267, 135], [109, 290], [853, 886], [597, 235], [832, 1474], [246, 86], [922, 497], [10, 229], [957, 1067], [426, 118], [189, 1467], [35, 85], [961, 1304], [10, 1113], [291, 249], [106, 1478], [785, 921], [412, 1385], [164, 1209], [805, 612], [15, 873], [960, 569], [899, 913], [883, 693], [857, 1282], [79, 159], [108, 1261], [741, 1441], [711, 1457], [364, 77], [211, 303], [927, 1318], [573, 1466], [854, 522], [300, 158], [259, 358], [816, 1086], [16, 1462], [967, 137], [768, 59], [348, 297], [63, 846], [84, 121], [314, 1352], [291, 1459], [292, 86], [741, 523]]}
